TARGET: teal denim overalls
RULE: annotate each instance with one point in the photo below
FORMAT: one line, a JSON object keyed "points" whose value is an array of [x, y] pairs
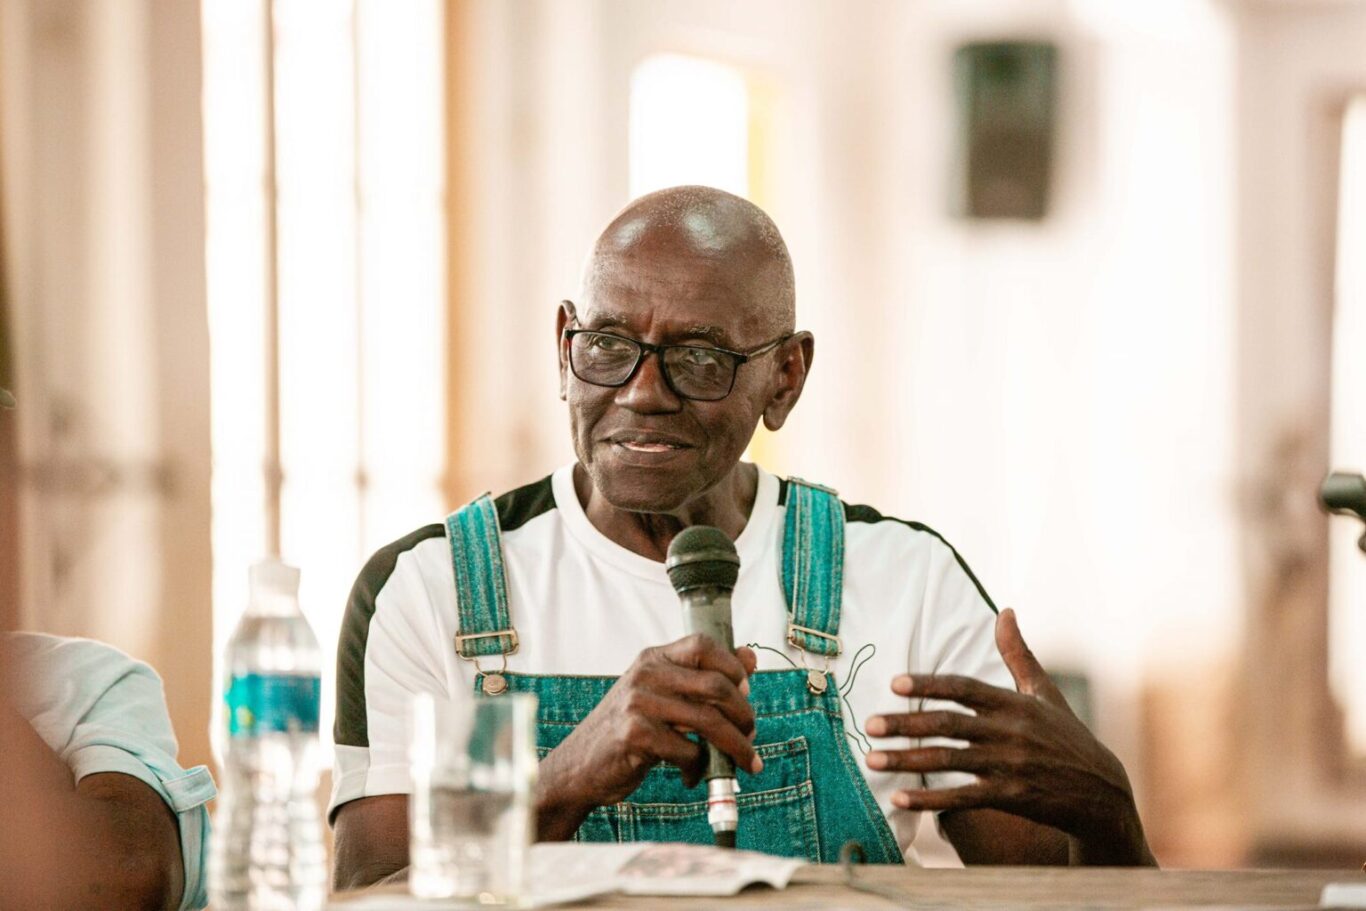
{"points": [[809, 800]]}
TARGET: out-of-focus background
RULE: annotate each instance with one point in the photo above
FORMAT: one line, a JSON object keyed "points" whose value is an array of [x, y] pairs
{"points": [[1087, 279]]}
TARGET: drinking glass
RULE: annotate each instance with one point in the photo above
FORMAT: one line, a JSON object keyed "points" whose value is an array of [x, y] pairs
{"points": [[470, 815]]}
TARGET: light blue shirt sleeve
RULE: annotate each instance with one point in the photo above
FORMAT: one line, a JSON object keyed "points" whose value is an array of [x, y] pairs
{"points": [[101, 711]]}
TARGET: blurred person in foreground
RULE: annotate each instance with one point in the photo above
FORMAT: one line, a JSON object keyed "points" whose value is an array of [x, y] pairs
{"points": [[97, 814], [861, 626]]}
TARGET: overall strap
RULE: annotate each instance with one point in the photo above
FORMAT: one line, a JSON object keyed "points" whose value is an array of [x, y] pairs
{"points": [[813, 566], [480, 583]]}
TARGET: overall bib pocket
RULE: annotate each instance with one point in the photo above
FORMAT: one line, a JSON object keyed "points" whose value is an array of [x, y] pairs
{"points": [[777, 807]]}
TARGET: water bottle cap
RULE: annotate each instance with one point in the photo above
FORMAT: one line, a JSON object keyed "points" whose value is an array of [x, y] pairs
{"points": [[274, 576]]}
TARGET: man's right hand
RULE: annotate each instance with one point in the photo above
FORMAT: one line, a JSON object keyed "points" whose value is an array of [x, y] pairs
{"points": [[689, 685], [692, 684]]}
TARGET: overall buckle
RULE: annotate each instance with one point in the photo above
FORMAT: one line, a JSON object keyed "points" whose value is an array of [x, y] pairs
{"points": [[510, 632], [793, 629]]}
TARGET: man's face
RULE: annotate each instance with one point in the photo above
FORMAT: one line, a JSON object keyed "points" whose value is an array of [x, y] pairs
{"points": [[645, 448]]}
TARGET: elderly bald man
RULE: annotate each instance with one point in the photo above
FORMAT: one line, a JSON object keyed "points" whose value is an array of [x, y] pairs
{"points": [[682, 340]]}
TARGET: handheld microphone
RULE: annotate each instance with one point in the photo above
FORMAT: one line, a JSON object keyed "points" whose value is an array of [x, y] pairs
{"points": [[703, 566]]}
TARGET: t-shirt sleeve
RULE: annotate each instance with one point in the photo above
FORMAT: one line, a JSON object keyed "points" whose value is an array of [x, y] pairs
{"points": [[387, 651], [127, 729], [958, 637]]}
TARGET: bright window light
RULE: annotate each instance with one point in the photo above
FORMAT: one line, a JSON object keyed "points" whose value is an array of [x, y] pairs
{"points": [[689, 125], [359, 155], [236, 259], [1347, 578], [320, 429]]}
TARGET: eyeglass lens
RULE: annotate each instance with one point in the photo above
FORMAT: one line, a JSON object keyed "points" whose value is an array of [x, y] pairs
{"points": [[694, 372]]}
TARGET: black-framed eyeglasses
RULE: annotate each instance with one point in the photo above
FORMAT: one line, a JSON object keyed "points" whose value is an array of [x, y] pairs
{"points": [[697, 372]]}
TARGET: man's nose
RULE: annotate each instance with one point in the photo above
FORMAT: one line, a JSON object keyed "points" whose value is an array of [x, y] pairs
{"points": [[647, 392]]}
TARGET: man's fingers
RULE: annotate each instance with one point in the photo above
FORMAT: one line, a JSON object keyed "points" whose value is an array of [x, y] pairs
{"points": [[701, 653], [956, 725], [964, 798], [1030, 677], [964, 690], [689, 755], [709, 723], [932, 759], [747, 658], [716, 729], [1023, 666], [710, 688]]}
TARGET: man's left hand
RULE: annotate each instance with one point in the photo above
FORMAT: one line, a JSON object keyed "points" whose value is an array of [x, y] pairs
{"points": [[1032, 756]]}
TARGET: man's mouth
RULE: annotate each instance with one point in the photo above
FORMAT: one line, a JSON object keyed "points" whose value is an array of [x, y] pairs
{"points": [[648, 442], [649, 447]]}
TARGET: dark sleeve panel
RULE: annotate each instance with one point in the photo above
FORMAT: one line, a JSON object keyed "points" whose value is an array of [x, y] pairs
{"points": [[860, 513], [350, 727], [520, 506]]}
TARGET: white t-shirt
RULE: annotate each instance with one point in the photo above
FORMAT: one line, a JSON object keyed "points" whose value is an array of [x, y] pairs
{"points": [[101, 711], [584, 605]]}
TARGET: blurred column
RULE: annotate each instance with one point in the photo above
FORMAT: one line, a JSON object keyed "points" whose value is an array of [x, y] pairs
{"points": [[104, 239], [532, 159]]}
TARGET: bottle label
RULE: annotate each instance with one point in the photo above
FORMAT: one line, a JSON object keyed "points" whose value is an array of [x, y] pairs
{"points": [[270, 703]]}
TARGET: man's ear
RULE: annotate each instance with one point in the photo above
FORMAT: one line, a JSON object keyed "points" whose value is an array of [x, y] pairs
{"points": [[563, 317], [794, 362]]}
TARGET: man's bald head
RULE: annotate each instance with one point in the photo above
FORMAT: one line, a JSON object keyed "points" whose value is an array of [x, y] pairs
{"points": [[675, 274], [709, 226]]}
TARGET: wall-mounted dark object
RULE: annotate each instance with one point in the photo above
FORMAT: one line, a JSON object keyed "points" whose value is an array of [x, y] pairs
{"points": [[1005, 93]]}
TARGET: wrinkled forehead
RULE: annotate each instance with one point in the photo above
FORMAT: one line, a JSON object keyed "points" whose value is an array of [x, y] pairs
{"points": [[671, 293]]}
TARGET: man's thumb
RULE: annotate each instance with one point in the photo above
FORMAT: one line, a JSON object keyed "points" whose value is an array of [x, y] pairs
{"points": [[1030, 677]]}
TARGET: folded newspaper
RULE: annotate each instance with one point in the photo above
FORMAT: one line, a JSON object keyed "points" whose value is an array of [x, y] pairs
{"points": [[563, 872]]}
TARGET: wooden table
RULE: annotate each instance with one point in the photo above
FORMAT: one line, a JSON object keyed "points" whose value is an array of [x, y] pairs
{"points": [[1022, 888], [823, 889]]}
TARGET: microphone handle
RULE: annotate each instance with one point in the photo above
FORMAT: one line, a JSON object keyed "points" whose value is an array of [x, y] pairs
{"points": [[706, 610]]}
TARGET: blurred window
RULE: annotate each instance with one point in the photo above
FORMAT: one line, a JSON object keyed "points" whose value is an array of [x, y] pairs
{"points": [[326, 321], [1347, 573], [690, 124], [698, 121]]}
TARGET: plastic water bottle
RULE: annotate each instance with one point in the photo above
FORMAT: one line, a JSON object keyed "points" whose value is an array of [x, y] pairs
{"points": [[267, 849]]}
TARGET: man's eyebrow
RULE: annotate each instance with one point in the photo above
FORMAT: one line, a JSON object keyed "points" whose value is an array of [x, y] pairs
{"points": [[714, 334], [603, 319]]}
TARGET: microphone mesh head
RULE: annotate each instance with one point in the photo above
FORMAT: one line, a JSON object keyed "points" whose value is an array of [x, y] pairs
{"points": [[702, 555]]}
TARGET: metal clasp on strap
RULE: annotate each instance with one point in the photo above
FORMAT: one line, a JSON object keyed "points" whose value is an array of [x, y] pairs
{"points": [[495, 682], [816, 680], [462, 638], [793, 629]]}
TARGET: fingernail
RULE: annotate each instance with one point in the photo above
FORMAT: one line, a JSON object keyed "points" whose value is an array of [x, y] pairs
{"points": [[902, 684], [744, 687], [877, 760], [756, 766], [876, 726], [901, 799]]}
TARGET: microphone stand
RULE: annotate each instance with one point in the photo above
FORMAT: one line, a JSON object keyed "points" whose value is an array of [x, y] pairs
{"points": [[1344, 494]]}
